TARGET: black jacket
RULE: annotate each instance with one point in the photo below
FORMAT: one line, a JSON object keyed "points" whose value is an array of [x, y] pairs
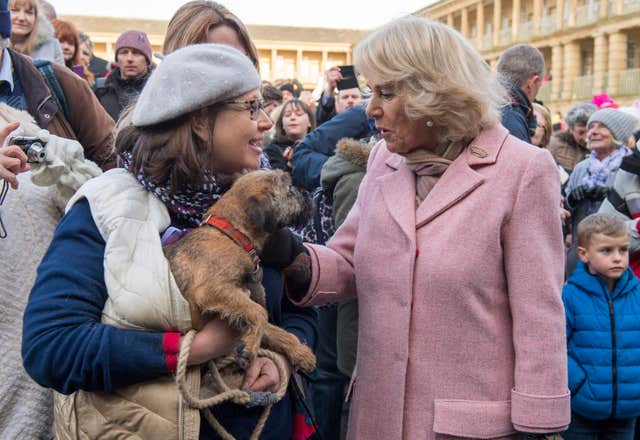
{"points": [[518, 116], [116, 93]]}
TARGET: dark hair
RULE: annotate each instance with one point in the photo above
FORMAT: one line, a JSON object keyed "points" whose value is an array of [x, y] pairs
{"points": [[170, 153], [271, 93], [281, 137]]}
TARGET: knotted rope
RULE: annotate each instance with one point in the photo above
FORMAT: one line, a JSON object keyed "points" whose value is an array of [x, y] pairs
{"points": [[240, 397]]}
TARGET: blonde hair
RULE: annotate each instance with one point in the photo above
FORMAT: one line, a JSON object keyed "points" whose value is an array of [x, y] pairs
{"points": [[546, 115], [29, 44], [600, 223], [438, 73], [192, 23]]}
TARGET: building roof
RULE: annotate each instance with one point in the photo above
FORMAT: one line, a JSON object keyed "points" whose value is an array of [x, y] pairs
{"points": [[257, 32]]}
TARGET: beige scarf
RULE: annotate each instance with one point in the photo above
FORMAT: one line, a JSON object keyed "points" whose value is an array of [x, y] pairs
{"points": [[429, 166]]}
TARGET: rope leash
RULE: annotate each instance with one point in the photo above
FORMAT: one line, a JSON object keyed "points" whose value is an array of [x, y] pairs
{"points": [[240, 397]]}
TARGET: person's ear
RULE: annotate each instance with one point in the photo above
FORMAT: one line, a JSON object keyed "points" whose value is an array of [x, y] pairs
{"points": [[582, 254], [201, 127]]}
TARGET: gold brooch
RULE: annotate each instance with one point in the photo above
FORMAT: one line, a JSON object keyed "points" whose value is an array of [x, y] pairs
{"points": [[479, 152]]}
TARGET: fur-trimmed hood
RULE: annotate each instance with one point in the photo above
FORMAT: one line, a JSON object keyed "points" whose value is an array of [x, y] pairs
{"points": [[44, 30], [351, 157]]}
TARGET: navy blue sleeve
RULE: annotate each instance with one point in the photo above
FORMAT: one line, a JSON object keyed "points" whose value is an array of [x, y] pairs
{"points": [[314, 150], [300, 321], [516, 124], [64, 345]]}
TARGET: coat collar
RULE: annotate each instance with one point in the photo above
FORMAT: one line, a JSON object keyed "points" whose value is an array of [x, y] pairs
{"points": [[460, 180]]}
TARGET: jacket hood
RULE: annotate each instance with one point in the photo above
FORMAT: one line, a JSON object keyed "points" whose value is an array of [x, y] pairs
{"points": [[595, 285], [44, 30], [351, 157]]}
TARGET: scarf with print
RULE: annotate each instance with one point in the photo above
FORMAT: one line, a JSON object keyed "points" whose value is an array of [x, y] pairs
{"points": [[187, 207], [429, 166], [600, 170]]}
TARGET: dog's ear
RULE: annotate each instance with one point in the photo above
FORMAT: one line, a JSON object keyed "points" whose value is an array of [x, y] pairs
{"points": [[262, 214]]}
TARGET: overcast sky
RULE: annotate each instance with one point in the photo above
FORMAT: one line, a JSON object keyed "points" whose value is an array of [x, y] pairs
{"points": [[347, 14]]}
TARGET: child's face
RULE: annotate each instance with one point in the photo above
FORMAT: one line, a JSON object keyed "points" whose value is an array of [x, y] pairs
{"points": [[606, 256]]}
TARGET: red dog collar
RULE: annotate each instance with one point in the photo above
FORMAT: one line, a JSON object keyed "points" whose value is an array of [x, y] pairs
{"points": [[238, 237]]}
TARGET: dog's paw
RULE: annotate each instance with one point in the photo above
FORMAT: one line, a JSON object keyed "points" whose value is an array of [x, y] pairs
{"points": [[242, 356], [302, 357]]}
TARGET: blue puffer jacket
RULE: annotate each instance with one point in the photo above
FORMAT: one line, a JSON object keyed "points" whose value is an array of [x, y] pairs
{"points": [[316, 147], [603, 340]]}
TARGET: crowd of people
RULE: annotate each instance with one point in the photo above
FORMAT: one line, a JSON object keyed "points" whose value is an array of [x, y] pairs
{"points": [[469, 269]]}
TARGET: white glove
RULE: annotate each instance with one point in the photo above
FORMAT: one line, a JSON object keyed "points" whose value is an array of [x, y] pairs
{"points": [[64, 164]]}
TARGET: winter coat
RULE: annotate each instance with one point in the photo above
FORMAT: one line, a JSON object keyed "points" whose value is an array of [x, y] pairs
{"points": [[461, 328], [603, 345], [47, 47], [566, 151], [116, 94], [126, 283], [518, 114], [88, 123], [341, 178], [316, 147]]}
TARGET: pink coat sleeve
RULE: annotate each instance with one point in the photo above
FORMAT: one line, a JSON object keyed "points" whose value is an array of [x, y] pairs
{"points": [[333, 276], [534, 261]]}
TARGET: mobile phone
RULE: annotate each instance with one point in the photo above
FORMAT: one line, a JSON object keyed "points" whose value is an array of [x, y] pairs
{"points": [[349, 80]]}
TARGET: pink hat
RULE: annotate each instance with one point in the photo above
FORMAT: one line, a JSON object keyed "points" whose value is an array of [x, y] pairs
{"points": [[136, 40], [603, 100]]}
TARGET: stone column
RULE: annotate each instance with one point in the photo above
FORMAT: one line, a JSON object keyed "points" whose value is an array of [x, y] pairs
{"points": [[559, 14], [572, 13], [450, 19], [515, 20], [600, 62], [464, 23], [617, 60], [497, 21], [537, 16], [274, 58], [557, 67], [618, 7], [571, 68], [480, 23], [604, 8], [299, 65]]}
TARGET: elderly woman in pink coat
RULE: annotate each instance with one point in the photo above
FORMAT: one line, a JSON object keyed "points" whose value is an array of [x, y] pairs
{"points": [[453, 250]]}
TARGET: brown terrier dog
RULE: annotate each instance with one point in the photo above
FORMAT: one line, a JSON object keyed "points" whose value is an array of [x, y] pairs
{"points": [[216, 265]]}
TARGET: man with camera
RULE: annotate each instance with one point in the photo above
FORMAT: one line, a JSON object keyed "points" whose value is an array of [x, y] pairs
{"points": [[341, 93]]}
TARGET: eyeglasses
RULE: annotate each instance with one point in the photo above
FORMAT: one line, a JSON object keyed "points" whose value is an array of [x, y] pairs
{"points": [[255, 106]]}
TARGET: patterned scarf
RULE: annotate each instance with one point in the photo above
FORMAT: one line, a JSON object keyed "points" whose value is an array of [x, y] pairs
{"points": [[429, 166], [600, 170], [187, 207]]}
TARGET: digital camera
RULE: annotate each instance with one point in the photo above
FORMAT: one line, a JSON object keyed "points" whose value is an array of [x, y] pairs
{"points": [[32, 147]]}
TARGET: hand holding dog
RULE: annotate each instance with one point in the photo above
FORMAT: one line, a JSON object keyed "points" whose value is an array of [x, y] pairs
{"points": [[216, 339], [263, 375]]}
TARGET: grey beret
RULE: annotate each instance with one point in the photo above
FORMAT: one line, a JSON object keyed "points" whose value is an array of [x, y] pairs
{"points": [[192, 78], [620, 124]]}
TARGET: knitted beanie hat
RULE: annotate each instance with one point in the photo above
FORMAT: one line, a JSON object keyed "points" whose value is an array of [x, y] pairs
{"points": [[5, 19], [192, 78], [137, 40], [620, 124]]}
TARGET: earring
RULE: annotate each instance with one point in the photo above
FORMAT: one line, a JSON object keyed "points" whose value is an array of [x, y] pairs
{"points": [[429, 124]]}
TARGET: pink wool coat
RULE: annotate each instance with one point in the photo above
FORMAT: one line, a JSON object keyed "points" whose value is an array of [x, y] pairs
{"points": [[462, 328]]}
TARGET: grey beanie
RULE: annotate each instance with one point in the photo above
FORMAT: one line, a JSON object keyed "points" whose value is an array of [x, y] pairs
{"points": [[192, 78], [620, 124]]}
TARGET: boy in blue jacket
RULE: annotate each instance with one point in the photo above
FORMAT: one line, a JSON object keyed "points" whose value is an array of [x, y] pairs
{"points": [[602, 304]]}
